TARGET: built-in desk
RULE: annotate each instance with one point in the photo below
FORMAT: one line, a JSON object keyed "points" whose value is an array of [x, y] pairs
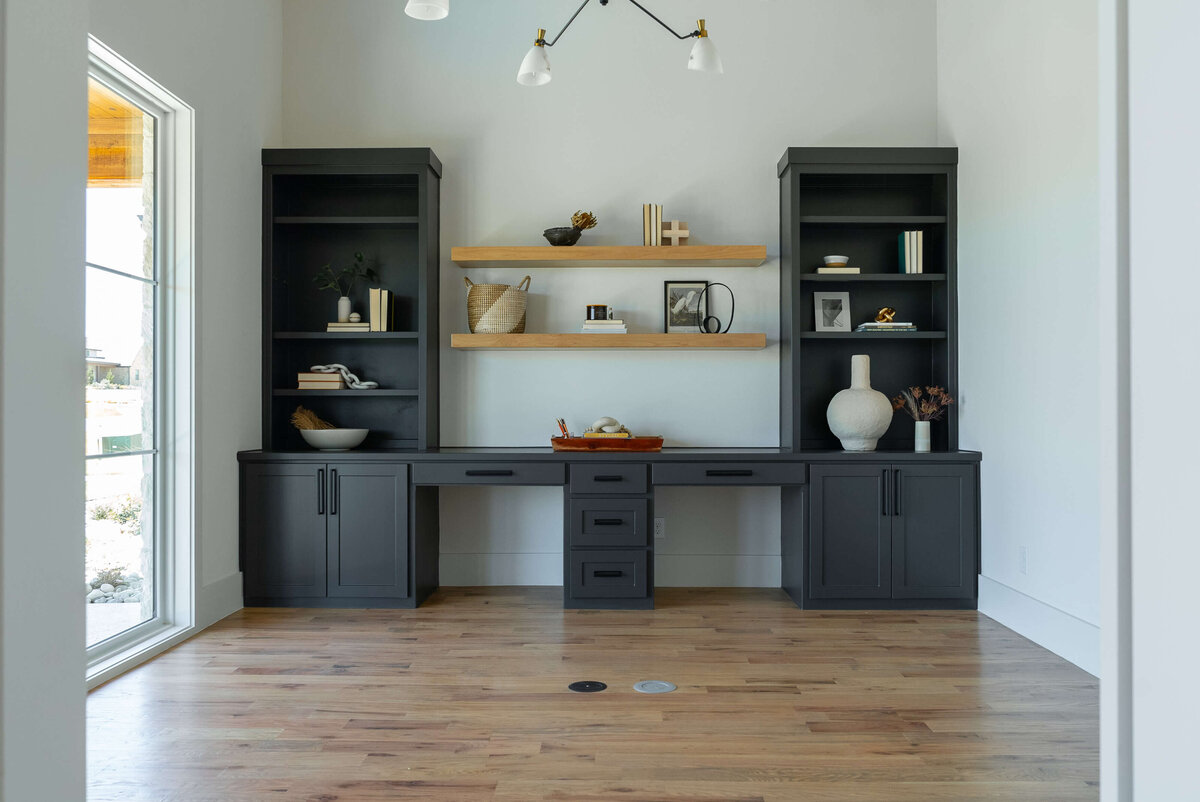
{"points": [[360, 528]]}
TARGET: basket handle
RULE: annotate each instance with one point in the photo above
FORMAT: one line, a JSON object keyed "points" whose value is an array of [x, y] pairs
{"points": [[468, 282], [524, 285]]}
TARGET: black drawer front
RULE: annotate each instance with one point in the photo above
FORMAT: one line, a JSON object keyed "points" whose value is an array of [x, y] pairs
{"points": [[609, 574], [609, 522], [484, 473], [730, 473], [625, 479]]}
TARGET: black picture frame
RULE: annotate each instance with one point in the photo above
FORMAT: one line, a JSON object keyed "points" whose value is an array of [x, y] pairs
{"points": [[689, 321]]}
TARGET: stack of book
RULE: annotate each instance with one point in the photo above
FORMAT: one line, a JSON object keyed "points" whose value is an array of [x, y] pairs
{"points": [[363, 326], [320, 381], [652, 224], [912, 252], [836, 271], [873, 326], [604, 327], [382, 315]]}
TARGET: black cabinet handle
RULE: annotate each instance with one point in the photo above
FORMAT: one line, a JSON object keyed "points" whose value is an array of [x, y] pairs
{"points": [[883, 494], [896, 496], [608, 478], [608, 573], [489, 473], [334, 491], [739, 472], [609, 521], [320, 491]]}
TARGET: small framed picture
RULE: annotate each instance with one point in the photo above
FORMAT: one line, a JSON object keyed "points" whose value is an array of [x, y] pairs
{"points": [[683, 308], [832, 311]]}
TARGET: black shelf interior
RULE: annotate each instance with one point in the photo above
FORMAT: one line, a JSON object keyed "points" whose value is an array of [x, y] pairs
{"points": [[832, 278], [345, 335]]}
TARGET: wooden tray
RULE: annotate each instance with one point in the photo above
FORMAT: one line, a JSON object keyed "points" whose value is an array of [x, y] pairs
{"points": [[654, 443]]}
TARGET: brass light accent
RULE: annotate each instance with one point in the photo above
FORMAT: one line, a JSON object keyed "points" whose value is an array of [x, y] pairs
{"points": [[540, 41], [702, 32]]}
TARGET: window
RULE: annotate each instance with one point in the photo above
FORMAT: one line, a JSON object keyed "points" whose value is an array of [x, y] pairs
{"points": [[137, 371]]}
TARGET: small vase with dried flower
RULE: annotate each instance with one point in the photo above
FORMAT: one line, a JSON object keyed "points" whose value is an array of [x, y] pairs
{"points": [[923, 404]]}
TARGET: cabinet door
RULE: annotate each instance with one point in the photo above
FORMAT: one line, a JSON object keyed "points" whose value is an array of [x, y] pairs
{"points": [[368, 530], [849, 533], [284, 530], [934, 529]]}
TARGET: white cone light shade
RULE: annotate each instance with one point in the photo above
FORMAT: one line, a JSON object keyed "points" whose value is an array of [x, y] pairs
{"points": [[428, 9], [704, 56], [535, 68]]}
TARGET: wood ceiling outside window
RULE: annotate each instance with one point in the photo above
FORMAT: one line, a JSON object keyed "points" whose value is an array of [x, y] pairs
{"points": [[118, 133]]}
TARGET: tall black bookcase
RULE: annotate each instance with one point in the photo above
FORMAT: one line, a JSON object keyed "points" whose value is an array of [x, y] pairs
{"points": [[321, 206], [857, 202]]}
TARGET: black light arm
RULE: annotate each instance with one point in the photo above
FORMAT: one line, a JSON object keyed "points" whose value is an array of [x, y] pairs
{"points": [[542, 41]]}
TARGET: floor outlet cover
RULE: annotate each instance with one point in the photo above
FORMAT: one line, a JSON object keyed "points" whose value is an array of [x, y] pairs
{"points": [[654, 686], [587, 686]]}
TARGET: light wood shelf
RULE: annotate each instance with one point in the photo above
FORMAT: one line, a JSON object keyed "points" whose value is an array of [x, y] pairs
{"points": [[611, 256], [742, 342]]}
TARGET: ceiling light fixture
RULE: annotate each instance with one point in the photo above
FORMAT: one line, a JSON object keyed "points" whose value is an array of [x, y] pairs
{"points": [[535, 67], [428, 9]]}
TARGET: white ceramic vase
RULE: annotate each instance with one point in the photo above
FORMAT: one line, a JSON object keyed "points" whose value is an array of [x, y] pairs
{"points": [[344, 309], [921, 436], [859, 415]]}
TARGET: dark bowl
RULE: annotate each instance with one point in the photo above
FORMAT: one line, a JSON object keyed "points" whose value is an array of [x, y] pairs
{"points": [[563, 235]]}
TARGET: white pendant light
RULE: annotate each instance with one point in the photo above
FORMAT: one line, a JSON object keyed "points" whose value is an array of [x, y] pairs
{"points": [[428, 9], [535, 67], [704, 57]]}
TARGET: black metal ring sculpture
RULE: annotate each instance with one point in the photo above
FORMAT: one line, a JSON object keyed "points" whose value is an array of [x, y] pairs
{"points": [[706, 326]]}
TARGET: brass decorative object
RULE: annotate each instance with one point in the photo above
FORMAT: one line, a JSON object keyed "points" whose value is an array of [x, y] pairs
{"points": [[886, 314]]}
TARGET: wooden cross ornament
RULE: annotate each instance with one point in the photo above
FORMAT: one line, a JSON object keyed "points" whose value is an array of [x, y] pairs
{"points": [[674, 232]]}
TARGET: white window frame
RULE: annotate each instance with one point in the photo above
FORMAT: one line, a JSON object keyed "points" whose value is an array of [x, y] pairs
{"points": [[174, 515]]}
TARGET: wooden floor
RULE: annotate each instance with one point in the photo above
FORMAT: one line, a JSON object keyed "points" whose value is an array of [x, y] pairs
{"points": [[466, 699]]}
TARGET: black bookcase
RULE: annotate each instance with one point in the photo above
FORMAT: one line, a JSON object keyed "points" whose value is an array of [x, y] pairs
{"points": [[321, 206], [858, 201]]}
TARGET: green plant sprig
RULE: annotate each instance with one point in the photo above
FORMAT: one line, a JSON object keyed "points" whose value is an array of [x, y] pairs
{"points": [[342, 282]]}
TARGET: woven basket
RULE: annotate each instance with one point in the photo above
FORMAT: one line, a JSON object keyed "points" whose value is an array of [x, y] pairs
{"points": [[496, 308]]}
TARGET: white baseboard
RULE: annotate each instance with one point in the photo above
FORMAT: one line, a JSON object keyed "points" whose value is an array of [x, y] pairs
{"points": [[218, 599], [716, 570], [1062, 633]]}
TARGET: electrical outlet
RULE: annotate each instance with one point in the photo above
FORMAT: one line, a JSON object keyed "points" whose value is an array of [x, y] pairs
{"points": [[1023, 560], [660, 528]]}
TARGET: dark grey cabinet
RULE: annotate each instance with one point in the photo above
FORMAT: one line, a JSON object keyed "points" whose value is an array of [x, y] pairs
{"points": [[315, 534], [850, 533], [368, 530], [893, 531]]}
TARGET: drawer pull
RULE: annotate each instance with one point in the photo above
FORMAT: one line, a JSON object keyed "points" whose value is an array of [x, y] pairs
{"points": [[608, 573], [607, 478], [489, 473], [609, 521], [737, 472]]}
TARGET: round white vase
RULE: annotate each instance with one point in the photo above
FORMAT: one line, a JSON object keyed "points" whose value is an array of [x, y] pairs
{"points": [[921, 436], [344, 309], [859, 415]]}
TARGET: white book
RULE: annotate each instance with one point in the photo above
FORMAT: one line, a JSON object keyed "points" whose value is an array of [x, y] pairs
{"points": [[920, 251], [658, 224]]}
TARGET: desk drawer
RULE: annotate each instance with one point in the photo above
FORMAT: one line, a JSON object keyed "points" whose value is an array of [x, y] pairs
{"points": [[609, 574], [624, 479], [609, 522], [489, 473], [729, 473]]}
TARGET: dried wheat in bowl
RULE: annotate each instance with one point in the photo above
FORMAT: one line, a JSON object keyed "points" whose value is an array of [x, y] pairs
{"points": [[307, 419]]}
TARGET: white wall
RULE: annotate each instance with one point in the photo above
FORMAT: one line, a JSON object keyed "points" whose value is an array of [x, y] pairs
{"points": [[1164, 170], [223, 57], [622, 123], [1017, 93], [43, 147]]}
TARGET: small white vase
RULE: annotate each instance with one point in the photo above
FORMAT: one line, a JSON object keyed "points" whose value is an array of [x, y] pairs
{"points": [[921, 436], [859, 415], [344, 309]]}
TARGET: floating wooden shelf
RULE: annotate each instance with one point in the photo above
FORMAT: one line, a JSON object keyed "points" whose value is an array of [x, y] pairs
{"points": [[612, 256], [898, 277], [743, 342]]}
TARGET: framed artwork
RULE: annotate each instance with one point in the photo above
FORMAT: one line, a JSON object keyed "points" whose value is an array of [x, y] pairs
{"points": [[683, 308], [832, 311]]}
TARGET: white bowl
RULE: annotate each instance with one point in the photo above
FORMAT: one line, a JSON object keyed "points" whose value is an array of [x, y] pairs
{"points": [[837, 261], [334, 439]]}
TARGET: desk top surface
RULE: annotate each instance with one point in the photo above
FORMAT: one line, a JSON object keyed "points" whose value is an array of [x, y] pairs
{"points": [[549, 455]]}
